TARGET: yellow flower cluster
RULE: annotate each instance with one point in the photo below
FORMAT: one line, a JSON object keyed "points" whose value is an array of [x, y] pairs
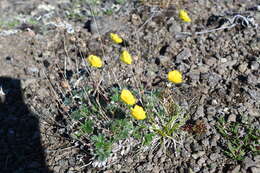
{"points": [[126, 57], [183, 15], [137, 111], [95, 61], [128, 97], [175, 77], [116, 38]]}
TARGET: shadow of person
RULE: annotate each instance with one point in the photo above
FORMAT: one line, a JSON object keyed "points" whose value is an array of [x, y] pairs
{"points": [[20, 139]]}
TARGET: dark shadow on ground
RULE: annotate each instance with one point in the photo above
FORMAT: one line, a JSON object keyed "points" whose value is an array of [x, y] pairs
{"points": [[20, 139]]}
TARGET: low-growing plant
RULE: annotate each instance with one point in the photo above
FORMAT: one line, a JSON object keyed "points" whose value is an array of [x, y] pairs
{"points": [[109, 123], [103, 147], [240, 139]]}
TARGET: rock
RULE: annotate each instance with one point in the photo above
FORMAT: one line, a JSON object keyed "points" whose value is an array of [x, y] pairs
{"points": [[254, 66], [72, 161], [43, 92], [214, 139], [214, 156], [223, 60], [236, 169], [254, 94], [195, 147], [174, 27], [162, 60], [213, 79], [211, 110], [230, 63], [198, 154], [232, 118], [201, 161], [200, 112], [242, 67], [210, 61], [184, 54], [57, 168], [248, 162], [136, 19], [205, 142], [254, 169], [185, 153], [31, 70], [156, 169]]}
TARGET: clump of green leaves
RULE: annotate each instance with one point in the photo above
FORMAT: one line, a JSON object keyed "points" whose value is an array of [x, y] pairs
{"points": [[103, 147], [241, 139], [121, 129], [105, 122], [166, 117]]}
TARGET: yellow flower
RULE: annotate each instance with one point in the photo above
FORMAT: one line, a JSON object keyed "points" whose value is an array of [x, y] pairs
{"points": [[175, 76], [127, 97], [126, 57], [183, 15], [138, 112], [94, 61], [116, 38]]}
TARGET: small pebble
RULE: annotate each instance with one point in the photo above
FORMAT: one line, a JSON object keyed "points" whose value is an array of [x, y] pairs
{"points": [[232, 118], [198, 154]]}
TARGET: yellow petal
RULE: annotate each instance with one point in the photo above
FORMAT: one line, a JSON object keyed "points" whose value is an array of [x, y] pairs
{"points": [[116, 38], [183, 15], [94, 61], [127, 97], [126, 57], [175, 76], [138, 112]]}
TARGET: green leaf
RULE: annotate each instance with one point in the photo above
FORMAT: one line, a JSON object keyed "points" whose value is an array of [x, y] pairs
{"points": [[231, 148], [87, 127], [103, 147], [148, 138]]}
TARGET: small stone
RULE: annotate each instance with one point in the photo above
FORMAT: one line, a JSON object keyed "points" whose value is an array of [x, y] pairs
{"points": [[223, 60], [185, 153], [236, 169], [214, 102], [43, 92], [214, 156], [242, 67], [162, 60], [135, 19], [232, 118], [198, 154], [254, 65], [200, 112], [72, 161], [210, 61], [211, 111], [185, 54], [174, 27], [201, 161], [255, 169], [195, 147], [205, 142], [31, 70], [130, 160], [254, 94], [57, 168], [214, 140], [156, 169]]}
